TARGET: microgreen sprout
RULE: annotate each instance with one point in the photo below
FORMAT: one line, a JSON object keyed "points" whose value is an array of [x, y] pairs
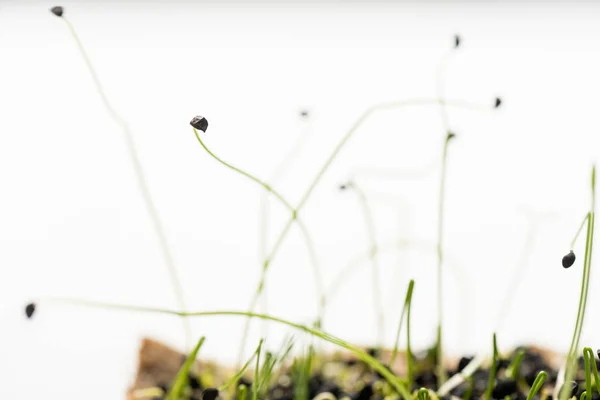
{"points": [[181, 380], [590, 367], [409, 356], [493, 369], [513, 368], [256, 381], [141, 178], [585, 281], [537, 384], [235, 378], [373, 256], [423, 394]]}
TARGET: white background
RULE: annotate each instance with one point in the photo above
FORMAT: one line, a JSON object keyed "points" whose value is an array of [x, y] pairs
{"points": [[73, 223]]}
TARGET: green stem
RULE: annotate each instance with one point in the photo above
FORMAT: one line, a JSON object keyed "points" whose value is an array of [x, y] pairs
{"points": [[372, 362], [423, 394], [572, 355], [493, 369], [143, 185], [513, 368], [590, 363], [376, 278], [181, 380], [441, 372], [405, 309], [537, 384], [255, 387]]}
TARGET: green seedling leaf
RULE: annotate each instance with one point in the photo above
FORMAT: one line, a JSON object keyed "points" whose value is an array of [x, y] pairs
{"points": [[181, 380]]}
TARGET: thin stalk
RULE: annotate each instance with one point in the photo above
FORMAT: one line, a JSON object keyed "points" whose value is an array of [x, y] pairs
{"points": [[266, 262], [513, 368], [572, 355], [242, 392], [441, 372], [590, 366], [493, 369], [579, 231], [537, 384], [409, 357], [372, 362], [376, 277], [234, 379], [256, 372], [142, 184]]}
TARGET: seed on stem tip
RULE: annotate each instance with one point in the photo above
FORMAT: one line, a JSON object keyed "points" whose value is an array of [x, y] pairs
{"points": [[345, 185], [199, 122], [568, 260], [58, 11], [498, 102], [29, 310], [456, 41], [210, 394]]}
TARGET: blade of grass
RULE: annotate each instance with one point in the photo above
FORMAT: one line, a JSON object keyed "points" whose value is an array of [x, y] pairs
{"points": [[255, 382], [409, 355], [181, 379], [513, 368], [493, 369]]}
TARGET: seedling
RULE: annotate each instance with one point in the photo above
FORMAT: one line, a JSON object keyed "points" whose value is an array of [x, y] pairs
{"points": [[590, 366], [181, 379], [139, 173], [200, 123], [373, 252], [409, 354], [493, 369], [585, 281], [423, 394], [537, 384]]}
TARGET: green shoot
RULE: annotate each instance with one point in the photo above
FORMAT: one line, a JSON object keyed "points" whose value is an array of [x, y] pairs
{"points": [[423, 394], [585, 281], [142, 183], [590, 366], [493, 369], [234, 379], [376, 278], [242, 393], [441, 372], [513, 368], [537, 384], [409, 357], [181, 380], [302, 372], [372, 362], [255, 383]]}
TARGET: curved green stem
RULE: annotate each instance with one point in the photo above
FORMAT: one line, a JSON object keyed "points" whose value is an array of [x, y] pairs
{"points": [[585, 281], [372, 362], [141, 179], [376, 277], [537, 384]]}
